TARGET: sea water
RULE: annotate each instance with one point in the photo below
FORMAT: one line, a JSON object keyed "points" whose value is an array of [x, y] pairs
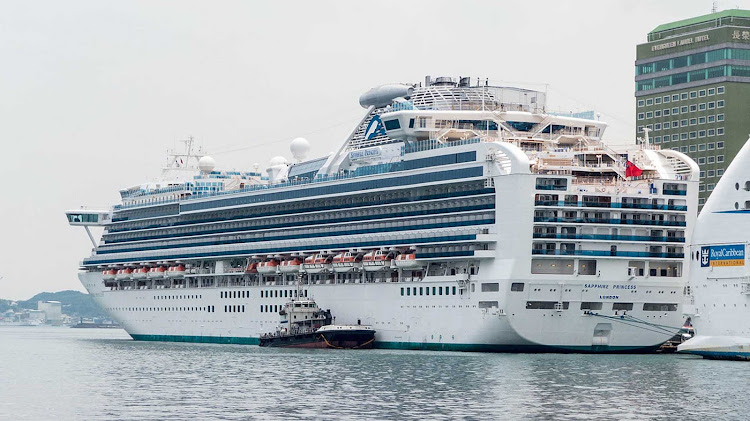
{"points": [[101, 374]]}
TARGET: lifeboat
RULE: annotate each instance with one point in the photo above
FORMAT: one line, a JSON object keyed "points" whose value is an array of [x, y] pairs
{"points": [[252, 267], [377, 260], [109, 274], [317, 263], [408, 261], [290, 266], [140, 273], [123, 273], [176, 271], [157, 272], [346, 262], [269, 266]]}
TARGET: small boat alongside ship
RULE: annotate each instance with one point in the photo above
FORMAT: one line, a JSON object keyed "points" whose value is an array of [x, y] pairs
{"points": [[305, 325]]}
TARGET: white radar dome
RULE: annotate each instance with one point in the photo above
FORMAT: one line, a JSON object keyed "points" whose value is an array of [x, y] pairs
{"points": [[206, 164], [278, 160], [299, 147]]}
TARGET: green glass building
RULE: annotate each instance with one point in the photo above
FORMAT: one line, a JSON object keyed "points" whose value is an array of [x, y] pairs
{"points": [[692, 88]]}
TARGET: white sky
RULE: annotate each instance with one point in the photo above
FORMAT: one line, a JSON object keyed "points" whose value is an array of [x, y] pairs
{"points": [[93, 93]]}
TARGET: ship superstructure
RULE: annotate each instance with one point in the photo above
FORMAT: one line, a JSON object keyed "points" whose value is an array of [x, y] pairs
{"points": [[454, 216]]}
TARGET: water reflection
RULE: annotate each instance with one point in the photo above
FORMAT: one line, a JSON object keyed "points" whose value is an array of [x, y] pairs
{"points": [[102, 375]]}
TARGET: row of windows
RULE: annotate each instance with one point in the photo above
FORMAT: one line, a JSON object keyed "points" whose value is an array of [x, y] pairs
{"points": [[270, 308], [693, 76], [556, 305], [711, 173], [407, 202], [718, 131], [95, 260], [426, 291], [209, 309], [314, 233], [276, 293], [696, 134], [178, 297], [234, 309], [428, 177], [710, 146], [681, 96], [703, 106], [235, 294], [692, 60]]}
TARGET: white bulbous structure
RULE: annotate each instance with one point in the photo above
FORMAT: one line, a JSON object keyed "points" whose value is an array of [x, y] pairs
{"points": [[278, 160], [206, 164], [299, 148]]}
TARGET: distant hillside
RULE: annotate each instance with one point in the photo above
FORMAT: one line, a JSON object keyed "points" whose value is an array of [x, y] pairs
{"points": [[74, 303]]}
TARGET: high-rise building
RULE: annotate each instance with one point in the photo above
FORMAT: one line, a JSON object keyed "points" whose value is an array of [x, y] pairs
{"points": [[692, 88]]}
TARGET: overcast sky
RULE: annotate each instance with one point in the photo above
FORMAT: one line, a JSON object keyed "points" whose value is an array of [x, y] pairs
{"points": [[93, 93]]}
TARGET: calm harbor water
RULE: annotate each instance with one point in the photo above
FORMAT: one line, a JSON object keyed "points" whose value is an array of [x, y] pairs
{"points": [[93, 374]]}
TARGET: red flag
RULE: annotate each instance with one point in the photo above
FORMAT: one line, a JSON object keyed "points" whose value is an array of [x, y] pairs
{"points": [[631, 170]]}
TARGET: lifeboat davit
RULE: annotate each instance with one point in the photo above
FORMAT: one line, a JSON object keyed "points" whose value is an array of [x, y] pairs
{"points": [[269, 266], [123, 273], [290, 266], [377, 260], [317, 263], [109, 274], [346, 262], [140, 273], [408, 261], [157, 272], [176, 271]]}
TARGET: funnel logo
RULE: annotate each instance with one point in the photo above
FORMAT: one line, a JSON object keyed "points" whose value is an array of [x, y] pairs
{"points": [[704, 257], [726, 255], [375, 128]]}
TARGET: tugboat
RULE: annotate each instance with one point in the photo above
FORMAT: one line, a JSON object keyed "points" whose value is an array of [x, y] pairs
{"points": [[304, 325]]}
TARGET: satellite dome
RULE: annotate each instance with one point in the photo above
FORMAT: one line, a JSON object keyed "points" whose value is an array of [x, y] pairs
{"points": [[278, 160], [299, 147], [206, 164]]}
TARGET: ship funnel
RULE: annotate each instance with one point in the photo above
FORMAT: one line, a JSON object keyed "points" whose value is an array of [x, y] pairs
{"points": [[383, 95]]}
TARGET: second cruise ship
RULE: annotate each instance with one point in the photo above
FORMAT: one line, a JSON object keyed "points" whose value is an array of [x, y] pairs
{"points": [[455, 216]]}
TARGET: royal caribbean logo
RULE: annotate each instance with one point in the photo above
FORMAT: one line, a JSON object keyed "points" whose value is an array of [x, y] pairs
{"points": [[726, 255], [375, 128]]}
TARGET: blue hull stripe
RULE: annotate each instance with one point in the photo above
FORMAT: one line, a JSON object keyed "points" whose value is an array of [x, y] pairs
{"points": [[423, 346]]}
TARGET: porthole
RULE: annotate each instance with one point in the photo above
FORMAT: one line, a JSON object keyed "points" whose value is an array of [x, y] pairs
{"points": [[736, 186], [736, 205]]}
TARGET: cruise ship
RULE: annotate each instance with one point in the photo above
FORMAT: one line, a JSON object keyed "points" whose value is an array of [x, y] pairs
{"points": [[455, 216], [719, 279]]}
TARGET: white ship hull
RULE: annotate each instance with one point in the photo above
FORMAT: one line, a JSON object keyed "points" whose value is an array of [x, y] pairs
{"points": [[403, 322]]}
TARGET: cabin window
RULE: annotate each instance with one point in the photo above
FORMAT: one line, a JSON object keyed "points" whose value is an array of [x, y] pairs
{"points": [[546, 305], [659, 307], [434, 289], [516, 287], [415, 291], [225, 309], [261, 309], [402, 292], [420, 290], [622, 306], [408, 291], [454, 290], [392, 125], [487, 304], [491, 287], [440, 290], [591, 306]]}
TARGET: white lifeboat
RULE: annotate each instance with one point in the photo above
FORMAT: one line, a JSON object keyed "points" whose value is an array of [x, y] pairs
{"points": [[269, 266], [109, 274], [140, 273], [377, 260], [157, 272], [176, 271], [123, 273], [346, 262], [317, 263], [291, 265], [408, 261]]}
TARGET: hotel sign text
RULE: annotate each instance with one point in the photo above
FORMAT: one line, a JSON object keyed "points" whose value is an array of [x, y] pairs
{"points": [[686, 41]]}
